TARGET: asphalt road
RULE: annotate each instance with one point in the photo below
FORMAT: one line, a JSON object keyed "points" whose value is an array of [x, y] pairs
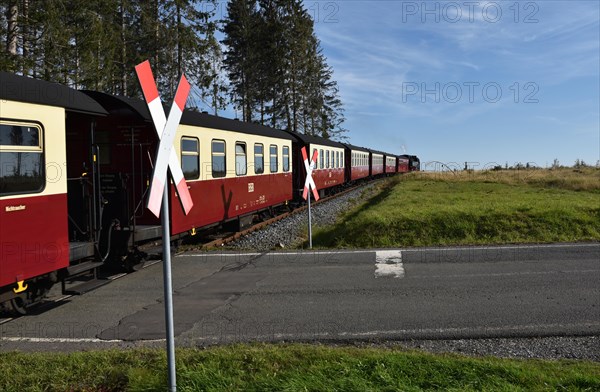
{"points": [[441, 293]]}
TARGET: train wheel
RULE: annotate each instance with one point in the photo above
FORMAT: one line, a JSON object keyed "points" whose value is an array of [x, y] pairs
{"points": [[15, 306], [18, 305]]}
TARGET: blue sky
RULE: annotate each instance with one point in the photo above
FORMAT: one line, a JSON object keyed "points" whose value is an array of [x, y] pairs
{"points": [[390, 59]]}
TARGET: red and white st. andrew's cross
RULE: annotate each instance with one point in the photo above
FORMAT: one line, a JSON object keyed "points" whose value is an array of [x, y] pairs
{"points": [[166, 129], [309, 183]]}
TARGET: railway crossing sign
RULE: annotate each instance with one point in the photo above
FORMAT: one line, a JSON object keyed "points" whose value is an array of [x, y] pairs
{"points": [[159, 198], [165, 127], [308, 185]]}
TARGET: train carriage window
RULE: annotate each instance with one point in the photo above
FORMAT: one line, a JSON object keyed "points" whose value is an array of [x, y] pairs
{"points": [[259, 159], [321, 160], [342, 163], [190, 158], [327, 159], [286, 159], [219, 161], [337, 159], [273, 158], [241, 166], [21, 158]]}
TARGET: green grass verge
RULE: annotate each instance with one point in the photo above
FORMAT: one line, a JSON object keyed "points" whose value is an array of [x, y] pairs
{"points": [[430, 210], [289, 368]]}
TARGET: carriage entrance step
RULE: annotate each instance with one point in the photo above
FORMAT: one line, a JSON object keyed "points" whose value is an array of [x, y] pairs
{"points": [[84, 287]]}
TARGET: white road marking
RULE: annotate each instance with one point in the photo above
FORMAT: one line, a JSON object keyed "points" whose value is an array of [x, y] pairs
{"points": [[463, 247], [151, 263], [365, 251], [558, 272], [306, 253], [69, 340], [389, 263], [302, 335], [312, 252], [218, 254]]}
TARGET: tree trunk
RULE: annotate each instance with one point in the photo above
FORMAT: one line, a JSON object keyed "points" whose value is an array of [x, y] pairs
{"points": [[26, 38], [156, 35], [13, 27], [123, 50], [178, 37]]}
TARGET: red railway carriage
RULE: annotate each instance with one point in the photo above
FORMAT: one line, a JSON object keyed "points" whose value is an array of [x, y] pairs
{"points": [[357, 162], [233, 169], [390, 164], [402, 164], [376, 163], [35, 119], [329, 171]]}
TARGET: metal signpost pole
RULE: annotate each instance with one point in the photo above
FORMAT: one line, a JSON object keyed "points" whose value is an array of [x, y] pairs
{"points": [[309, 224], [168, 291]]}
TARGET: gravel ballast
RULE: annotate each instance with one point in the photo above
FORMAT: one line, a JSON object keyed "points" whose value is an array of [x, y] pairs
{"points": [[290, 232]]}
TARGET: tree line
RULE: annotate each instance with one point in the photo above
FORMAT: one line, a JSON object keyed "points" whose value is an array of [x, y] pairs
{"points": [[268, 64]]}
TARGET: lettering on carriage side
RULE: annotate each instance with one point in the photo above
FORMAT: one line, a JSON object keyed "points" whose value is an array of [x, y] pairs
{"points": [[250, 187], [15, 208]]}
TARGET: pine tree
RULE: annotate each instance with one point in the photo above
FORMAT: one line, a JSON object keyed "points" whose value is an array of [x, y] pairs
{"points": [[215, 90], [240, 28]]}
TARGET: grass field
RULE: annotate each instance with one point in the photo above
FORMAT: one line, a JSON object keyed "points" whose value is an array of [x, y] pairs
{"points": [[468, 208], [289, 368]]}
